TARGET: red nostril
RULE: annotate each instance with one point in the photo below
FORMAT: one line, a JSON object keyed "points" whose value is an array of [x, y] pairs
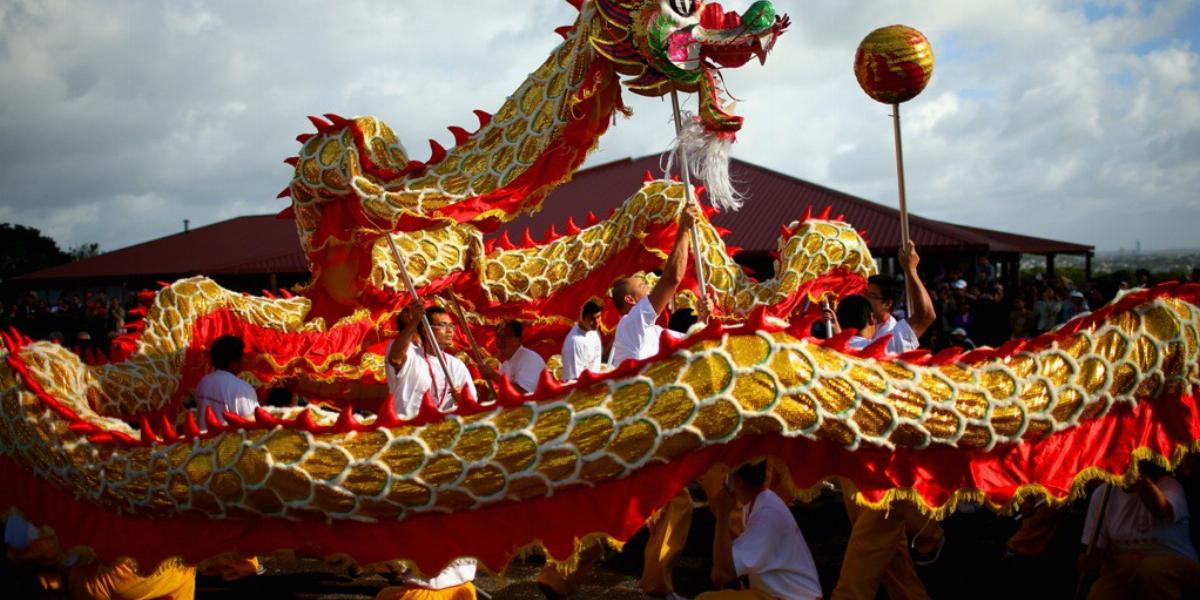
{"points": [[712, 16], [732, 20]]}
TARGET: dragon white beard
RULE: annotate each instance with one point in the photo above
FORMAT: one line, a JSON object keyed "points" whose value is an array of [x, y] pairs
{"points": [[708, 161]]}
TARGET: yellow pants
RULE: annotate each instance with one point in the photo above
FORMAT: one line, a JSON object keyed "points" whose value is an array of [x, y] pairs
{"points": [[668, 534], [878, 554], [1165, 576], [121, 581], [230, 566], [735, 595], [565, 582], [464, 591]]}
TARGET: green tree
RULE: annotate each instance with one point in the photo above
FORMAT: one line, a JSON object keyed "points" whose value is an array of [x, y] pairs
{"points": [[83, 251], [25, 250]]}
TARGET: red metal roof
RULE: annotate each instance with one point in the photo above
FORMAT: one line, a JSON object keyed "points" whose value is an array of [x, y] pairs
{"points": [[242, 246], [774, 199], [263, 244]]}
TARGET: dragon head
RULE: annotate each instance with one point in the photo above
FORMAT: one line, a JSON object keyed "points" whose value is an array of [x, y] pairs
{"points": [[682, 44]]}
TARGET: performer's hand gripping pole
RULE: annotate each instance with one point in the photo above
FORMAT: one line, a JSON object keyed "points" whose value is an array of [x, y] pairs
{"points": [[687, 185], [402, 266], [462, 318]]}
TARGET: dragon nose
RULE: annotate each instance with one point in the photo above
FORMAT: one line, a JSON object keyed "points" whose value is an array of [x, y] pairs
{"points": [[713, 16]]}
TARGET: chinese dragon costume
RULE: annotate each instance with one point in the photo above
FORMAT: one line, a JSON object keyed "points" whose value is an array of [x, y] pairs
{"points": [[105, 454]]}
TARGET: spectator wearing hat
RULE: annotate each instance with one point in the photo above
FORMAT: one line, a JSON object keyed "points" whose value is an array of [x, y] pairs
{"points": [[958, 337], [1076, 305]]}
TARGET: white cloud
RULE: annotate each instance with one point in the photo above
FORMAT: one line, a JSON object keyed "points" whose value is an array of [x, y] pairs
{"points": [[1048, 117]]}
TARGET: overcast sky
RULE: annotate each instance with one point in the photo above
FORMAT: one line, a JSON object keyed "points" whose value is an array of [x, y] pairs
{"points": [[1072, 120]]}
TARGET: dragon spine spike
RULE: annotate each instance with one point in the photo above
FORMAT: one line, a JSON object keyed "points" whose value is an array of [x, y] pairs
{"points": [[304, 421], [101, 438], [287, 213], [807, 216], [414, 166], [527, 239], [292, 160], [387, 415], [460, 135], [592, 219], [564, 31], [338, 121], [304, 137], [824, 216], [190, 428], [437, 153], [321, 124], [264, 418], [507, 394], [551, 234], [148, 436], [285, 293], [571, 228], [83, 427], [168, 429], [947, 356], [287, 191], [840, 218], [578, 4], [484, 117], [211, 422], [504, 242], [346, 422], [647, 177], [547, 385], [267, 294]]}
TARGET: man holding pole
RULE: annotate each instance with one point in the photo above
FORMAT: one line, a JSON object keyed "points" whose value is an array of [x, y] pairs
{"points": [[637, 337], [412, 363]]}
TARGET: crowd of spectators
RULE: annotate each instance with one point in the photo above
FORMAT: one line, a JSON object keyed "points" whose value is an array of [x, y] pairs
{"points": [[90, 321], [975, 309]]}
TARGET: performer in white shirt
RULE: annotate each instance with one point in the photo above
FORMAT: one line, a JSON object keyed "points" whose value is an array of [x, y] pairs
{"points": [[637, 337], [771, 552], [522, 366], [638, 332], [222, 390], [1145, 539], [582, 348], [883, 292], [413, 369]]}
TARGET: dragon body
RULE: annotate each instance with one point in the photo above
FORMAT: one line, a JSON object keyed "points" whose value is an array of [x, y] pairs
{"points": [[105, 455]]}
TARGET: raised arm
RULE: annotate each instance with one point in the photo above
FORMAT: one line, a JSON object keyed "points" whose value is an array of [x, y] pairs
{"points": [[408, 322], [921, 314], [677, 261]]}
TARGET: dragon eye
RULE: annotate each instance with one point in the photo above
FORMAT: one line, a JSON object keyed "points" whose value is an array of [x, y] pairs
{"points": [[684, 8]]}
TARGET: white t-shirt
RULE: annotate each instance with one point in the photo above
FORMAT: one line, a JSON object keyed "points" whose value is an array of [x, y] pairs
{"points": [[422, 374], [1128, 524], [581, 351], [458, 572], [903, 339], [524, 368], [224, 391], [772, 551], [858, 342], [637, 334]]}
